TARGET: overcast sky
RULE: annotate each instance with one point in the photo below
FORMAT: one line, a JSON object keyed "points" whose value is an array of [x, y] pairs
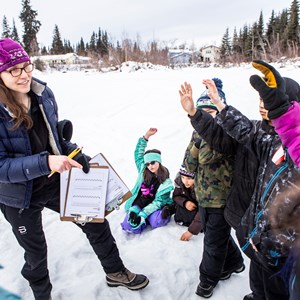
{"points": [[198, 21]]}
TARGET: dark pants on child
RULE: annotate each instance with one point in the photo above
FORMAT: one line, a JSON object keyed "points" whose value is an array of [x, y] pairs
{"points": [[184, 216], [28, 229], [220, 252], [266, 285]]}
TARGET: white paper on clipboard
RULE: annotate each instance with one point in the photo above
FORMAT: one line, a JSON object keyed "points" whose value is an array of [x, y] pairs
{"points": [[116, 189], [86, 193]]}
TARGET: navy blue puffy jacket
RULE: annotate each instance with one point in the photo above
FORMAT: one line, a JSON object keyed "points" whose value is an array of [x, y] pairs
{"points": [[18, 167]]}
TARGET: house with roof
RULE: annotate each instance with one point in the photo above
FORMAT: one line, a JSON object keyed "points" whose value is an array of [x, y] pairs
{"points": [[62, 59], [182, 57], [210, 54]]}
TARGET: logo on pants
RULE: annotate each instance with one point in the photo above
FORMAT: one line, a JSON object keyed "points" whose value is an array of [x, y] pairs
{"points": [[22, 230]]}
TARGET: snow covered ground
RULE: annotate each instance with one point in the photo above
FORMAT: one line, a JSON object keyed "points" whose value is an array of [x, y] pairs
{"points": [[110, 112]]}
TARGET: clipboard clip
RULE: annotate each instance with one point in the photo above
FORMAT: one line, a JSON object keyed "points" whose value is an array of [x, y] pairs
{"points": [[118, 204], [115, 204], [82, 219]]}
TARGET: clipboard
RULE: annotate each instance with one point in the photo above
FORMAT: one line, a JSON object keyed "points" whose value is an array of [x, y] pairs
{"points": [[122, 194], [116, 192], [85, 195]]}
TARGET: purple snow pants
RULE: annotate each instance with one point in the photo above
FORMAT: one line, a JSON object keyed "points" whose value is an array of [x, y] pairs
{"points": [[154, 220]]}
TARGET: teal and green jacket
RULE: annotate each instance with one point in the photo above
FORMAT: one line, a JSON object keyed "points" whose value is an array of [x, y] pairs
{"points": [[163, 194]]}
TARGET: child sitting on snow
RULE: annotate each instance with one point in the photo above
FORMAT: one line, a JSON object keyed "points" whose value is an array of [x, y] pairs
{"points": [[185, 205], [151, 192]]}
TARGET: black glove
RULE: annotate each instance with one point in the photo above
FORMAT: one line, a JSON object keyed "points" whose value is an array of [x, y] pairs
{"points": [[65, 130], [271, 89], [83, 159], [134, 219]]}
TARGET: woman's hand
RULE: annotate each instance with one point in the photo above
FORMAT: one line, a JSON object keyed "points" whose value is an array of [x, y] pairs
{"points": [[186, 99], [61, 163]]}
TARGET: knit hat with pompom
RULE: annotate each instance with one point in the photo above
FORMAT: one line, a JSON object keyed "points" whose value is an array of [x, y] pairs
{"points": [[204, 100]]}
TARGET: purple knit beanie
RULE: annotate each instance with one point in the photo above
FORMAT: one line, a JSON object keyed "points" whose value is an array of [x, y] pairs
{"points": [[11, 54], [183, 171]]}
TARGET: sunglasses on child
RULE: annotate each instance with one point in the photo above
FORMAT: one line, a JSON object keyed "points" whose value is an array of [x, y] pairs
{"points": [[150, 163]]}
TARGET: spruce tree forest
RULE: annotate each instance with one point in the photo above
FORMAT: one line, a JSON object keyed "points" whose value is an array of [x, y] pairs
{"points": [[271, 40]]}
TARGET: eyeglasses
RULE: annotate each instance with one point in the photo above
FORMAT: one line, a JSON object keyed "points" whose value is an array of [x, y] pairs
{"points": [[150, 163], [18, 71]]}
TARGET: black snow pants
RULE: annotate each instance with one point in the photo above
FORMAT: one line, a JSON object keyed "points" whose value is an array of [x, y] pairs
{"points": [[220, 252], [28, 230]]}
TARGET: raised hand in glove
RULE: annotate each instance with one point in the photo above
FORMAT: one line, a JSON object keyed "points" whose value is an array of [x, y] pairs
{"points": [[271, 89], [83, 159]]}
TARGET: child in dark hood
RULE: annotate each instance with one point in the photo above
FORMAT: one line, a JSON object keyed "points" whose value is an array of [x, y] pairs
{"points": [[151, 192], [185, 205]]}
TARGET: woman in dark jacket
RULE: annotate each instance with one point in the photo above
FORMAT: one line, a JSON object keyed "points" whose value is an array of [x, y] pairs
{"points": [[30, 149]]}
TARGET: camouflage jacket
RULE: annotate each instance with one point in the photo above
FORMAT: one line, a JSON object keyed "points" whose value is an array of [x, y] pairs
{"points": [[213, 173]]}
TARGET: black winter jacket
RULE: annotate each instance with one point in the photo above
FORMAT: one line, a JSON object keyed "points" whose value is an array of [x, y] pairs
{"points": [[277, 185]]}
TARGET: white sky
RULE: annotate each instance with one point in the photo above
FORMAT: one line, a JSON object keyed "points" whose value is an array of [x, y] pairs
{"points": [[110, 111], [198, 21]]}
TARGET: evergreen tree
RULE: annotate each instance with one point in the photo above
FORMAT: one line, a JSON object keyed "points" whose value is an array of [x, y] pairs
{"points": [[44, 51], [257, 39], [92, 45], [292, 29], [120, 53], [99, 45], [31, 27], [281, 25], [261, 43], [236, 47], [14, 32], [57, 44], [260, 25], [67, 47], [81, 48], [247, 40], [105, 45], [270, 32], [5, 28], [225, 50]]}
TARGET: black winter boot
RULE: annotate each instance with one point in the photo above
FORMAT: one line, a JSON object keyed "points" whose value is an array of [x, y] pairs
{"points": [[205, 290], [226, 275], [128, 279], [168, 210]]}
